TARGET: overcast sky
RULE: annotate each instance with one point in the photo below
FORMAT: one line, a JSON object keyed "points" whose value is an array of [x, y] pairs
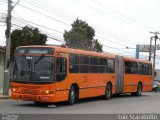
{"points": [[118, 23]]}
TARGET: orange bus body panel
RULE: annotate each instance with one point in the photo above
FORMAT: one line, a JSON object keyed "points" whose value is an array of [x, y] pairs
{"points": [[90, 84], [131, 80]]}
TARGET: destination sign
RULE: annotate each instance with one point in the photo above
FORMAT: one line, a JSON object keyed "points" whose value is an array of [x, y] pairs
{"points": [[31, 50]]}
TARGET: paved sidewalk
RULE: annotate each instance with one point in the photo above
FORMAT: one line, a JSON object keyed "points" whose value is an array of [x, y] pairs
{"points": [[3, 96]]}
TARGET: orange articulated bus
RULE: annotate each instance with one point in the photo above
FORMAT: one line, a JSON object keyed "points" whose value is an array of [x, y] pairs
{"points": [[54, 74]]}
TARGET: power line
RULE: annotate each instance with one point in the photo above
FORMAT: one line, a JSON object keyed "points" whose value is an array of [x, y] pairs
{"points": [[48, 9], [113, 42], [50, 5], [113, 13], [51, 37], [62, 33], [25, 22], [112, 36], [106, 12], [43, 31], [60, 10], [15, 4], [99, 36], [62, 41], [107, 39], [43, 14], [20, 19]]}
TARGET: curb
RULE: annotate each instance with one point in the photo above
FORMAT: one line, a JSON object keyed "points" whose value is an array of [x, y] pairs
{"points": [[5, 97]]}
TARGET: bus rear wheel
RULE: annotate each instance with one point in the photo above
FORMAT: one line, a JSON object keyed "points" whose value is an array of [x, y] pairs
{"points": [[108, 92], [72, 95], [139, 90]]}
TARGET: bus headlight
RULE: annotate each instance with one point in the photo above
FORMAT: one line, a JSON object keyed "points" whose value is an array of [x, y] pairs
{"points": [[47, 91], [15, 90]]}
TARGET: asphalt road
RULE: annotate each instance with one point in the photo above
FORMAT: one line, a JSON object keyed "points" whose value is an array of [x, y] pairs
{"points": [[147, 103]]}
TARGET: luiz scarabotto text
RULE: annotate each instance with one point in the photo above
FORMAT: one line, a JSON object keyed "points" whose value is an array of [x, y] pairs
{"points": [[137, 117]]}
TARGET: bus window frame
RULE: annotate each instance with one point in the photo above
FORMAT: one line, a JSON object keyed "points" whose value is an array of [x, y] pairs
{"points": [[56, 69], [149, 64], [99, 57]]}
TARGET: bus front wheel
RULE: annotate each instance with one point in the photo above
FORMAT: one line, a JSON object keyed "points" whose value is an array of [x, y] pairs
{"points": [[108, 91], [72, 95]]}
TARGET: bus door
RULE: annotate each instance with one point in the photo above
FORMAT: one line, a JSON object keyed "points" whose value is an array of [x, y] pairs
{"points": [[61, 71], [60, 75], [119, 74]]}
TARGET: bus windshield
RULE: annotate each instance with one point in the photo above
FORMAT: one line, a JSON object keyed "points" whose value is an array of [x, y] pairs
{"points": [[33, 69]]}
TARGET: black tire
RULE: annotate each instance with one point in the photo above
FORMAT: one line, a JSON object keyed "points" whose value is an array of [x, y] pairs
{"points": [[134, 94], [72, 95], [139, 90], [156, 89], [117, 95], [37, 103], [108, 92], [77, 95]]}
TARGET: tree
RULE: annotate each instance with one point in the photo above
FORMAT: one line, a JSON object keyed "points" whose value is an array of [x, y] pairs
{"points": [[26, 36], [97, 46], [81, 36]]}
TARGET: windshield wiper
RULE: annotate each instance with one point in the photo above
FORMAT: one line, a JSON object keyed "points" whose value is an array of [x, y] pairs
{"points": [[39, 59]]}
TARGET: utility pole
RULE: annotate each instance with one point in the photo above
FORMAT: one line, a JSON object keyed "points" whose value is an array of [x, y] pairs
{"points": [[137, 52], [154, 56], [8, 46], [150, 49], [7, 56]]}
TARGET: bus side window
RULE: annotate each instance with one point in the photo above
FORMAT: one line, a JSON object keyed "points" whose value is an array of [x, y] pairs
{"points": [[94, 65], [146, 69], [111, 66], [61, 69], [74, 63], [84, 64], [134, 68], [128, 67], [102, 65], [140, 68]]}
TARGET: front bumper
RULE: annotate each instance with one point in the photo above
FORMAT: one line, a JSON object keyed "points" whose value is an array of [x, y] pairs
{"points": [[32, 97]]}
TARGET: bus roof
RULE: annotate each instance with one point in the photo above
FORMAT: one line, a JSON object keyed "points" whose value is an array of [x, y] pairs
{"points": [[74, 51], [137, 60], [84, 52]]}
